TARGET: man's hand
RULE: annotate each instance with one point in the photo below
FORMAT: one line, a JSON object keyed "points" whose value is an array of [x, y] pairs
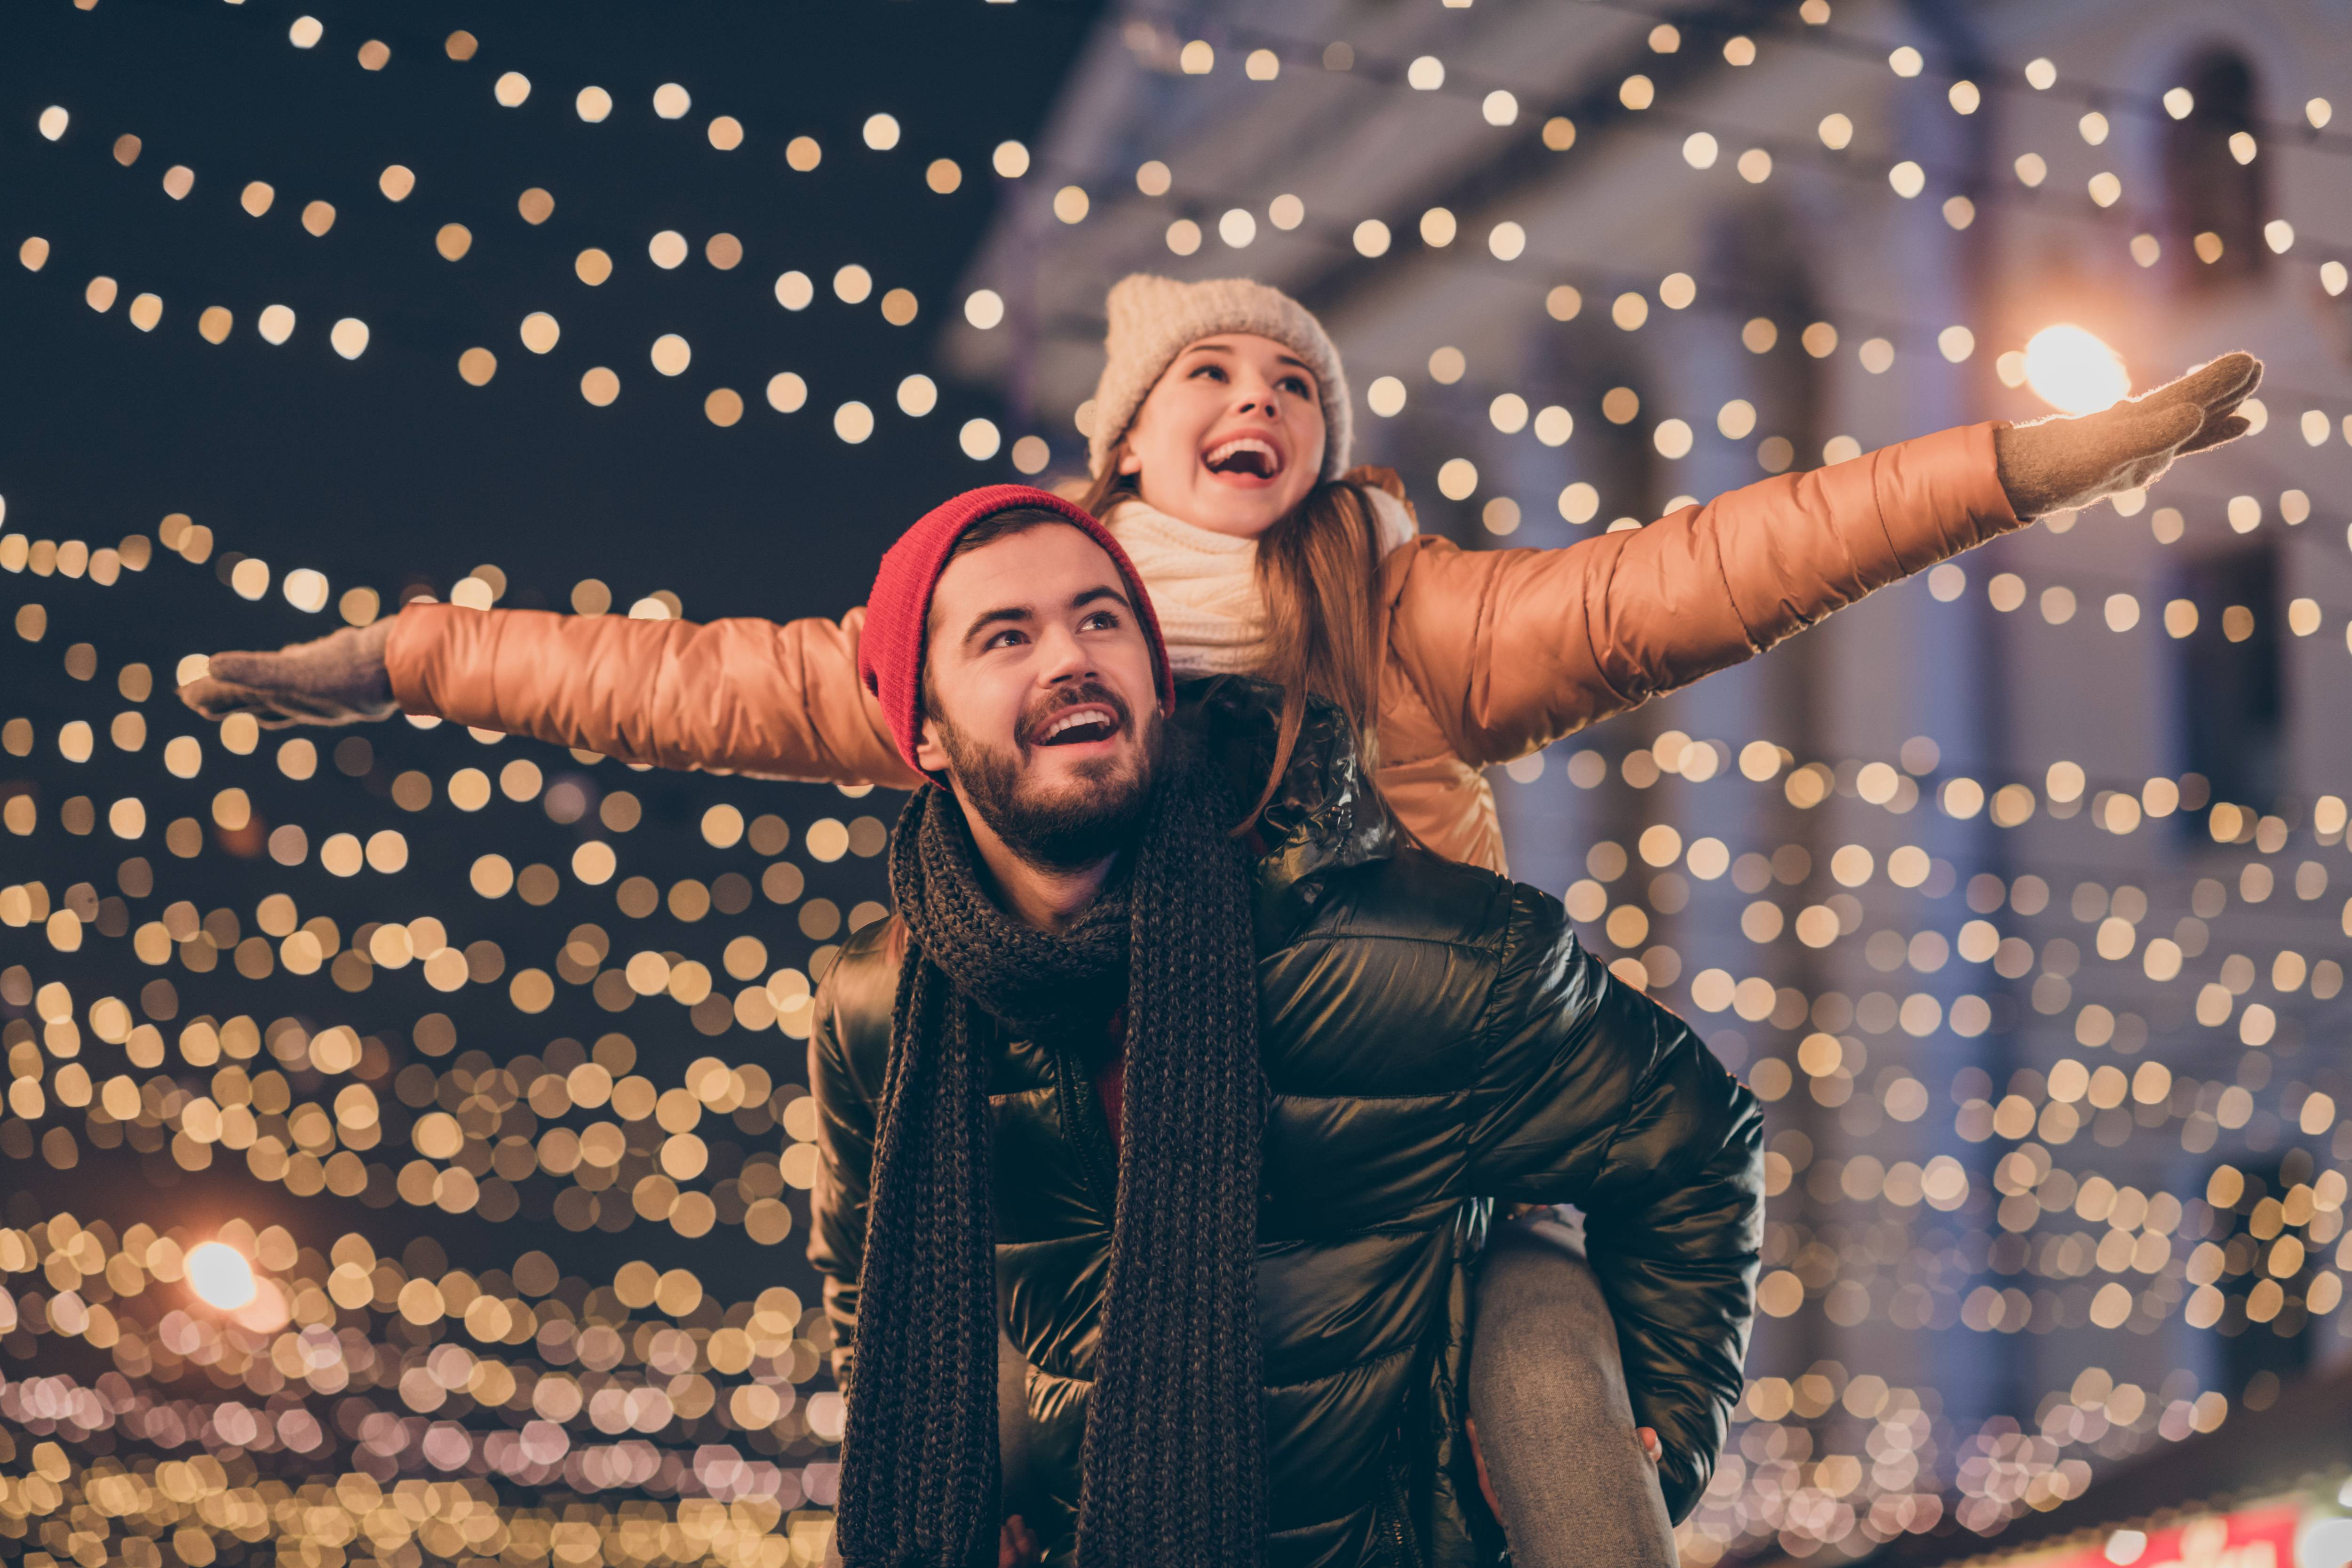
{"points": [[1015, 1547], [339, 679], [2058, 464]]}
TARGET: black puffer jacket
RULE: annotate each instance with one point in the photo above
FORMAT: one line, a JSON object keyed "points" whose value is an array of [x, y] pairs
{"points": [[1434, 1040]]}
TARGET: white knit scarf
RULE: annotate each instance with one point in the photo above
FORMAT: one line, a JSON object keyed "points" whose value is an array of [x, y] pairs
{"points": [[1204, 583]]}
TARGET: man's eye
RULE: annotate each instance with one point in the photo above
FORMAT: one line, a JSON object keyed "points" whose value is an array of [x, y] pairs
{"points": [[1006, 639], [1101, 620]]}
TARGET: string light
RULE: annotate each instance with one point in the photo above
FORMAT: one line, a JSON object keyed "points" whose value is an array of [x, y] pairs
{"points": [[324, 1110], [2074, 372], [220, 1274]]}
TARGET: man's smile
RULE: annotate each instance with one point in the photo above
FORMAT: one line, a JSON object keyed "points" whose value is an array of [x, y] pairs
{"points": [[1084, 724]]}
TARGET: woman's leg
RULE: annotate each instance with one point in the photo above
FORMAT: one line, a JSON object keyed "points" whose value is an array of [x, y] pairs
{"points": [[1554, 1424]]}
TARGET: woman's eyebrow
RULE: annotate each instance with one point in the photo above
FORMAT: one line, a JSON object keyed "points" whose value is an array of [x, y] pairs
{"points": [[1291, 361]]}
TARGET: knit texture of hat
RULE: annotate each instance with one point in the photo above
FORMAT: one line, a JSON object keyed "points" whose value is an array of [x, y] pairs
{"points": [[1153, 320], [897, 613]]}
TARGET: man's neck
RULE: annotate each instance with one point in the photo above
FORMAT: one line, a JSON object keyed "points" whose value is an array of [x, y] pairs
{"points": [[1046, 898]]}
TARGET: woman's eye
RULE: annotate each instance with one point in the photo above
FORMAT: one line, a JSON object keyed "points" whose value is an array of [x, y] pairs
{"points": [[1296, 387], [1215, 371]]}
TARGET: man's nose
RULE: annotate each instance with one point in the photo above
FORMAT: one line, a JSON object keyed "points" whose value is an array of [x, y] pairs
{"points": [[1064, 657]]}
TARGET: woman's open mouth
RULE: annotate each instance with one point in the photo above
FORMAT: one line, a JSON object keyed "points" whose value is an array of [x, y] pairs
{"points": [[1245, 457]]}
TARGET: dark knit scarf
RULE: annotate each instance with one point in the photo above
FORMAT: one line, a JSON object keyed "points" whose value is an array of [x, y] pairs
{"points": [[1173, 1469]]}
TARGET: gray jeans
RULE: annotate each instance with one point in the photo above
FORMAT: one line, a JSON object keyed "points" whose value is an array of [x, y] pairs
{"points": [[1555, 1423], [1548, 1393]]}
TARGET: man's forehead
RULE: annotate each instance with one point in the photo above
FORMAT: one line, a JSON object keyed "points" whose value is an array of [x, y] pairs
{"points": [[1056, 550], [1036, 570]]}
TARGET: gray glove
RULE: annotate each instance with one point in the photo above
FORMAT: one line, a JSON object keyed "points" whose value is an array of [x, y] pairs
{"points": [[341, 679], [2058, 464]]}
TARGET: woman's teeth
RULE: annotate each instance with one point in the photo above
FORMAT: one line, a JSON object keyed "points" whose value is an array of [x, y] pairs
{"points": [[1244, 453]]}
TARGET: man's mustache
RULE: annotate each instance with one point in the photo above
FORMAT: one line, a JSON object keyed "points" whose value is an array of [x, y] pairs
{"points": [[1088, 692]]}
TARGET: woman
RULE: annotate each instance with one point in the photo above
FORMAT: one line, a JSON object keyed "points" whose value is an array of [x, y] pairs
{"points": [[1222, 430]]}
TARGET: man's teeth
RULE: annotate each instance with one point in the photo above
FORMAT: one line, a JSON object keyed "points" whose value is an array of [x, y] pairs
{"points": [[1075, 720]]}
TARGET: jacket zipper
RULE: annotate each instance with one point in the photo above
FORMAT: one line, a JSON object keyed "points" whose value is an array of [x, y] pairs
{"points": [[1084, 1125], [1404, 1549]]}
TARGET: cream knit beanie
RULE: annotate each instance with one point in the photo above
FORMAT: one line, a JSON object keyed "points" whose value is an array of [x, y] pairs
{"points": [[1153, 320]]}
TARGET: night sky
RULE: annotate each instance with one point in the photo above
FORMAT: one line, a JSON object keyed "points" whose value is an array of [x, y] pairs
{"points": [[391, 471]]}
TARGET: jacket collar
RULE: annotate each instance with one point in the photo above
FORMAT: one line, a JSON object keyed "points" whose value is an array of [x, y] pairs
{"points": [[1325, 816]]}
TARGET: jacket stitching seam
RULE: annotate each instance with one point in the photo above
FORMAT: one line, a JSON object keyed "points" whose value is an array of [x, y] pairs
{"points": [[1592, 646], [1482, 1039], [1327, 938], [1730, 594], [1354, 1098], [1878, 510], [1401, 1352]]}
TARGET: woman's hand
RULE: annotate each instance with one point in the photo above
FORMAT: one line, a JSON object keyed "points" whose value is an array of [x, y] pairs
{"points": [[2059, 464], [341, 679], [1015, 1547]]}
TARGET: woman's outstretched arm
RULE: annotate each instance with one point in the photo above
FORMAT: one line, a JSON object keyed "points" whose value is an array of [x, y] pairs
{"points": [[776, 700], [1512, 649]]}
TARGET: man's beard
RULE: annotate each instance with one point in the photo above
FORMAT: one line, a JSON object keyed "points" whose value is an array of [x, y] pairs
{"points": [[1089, 820]]}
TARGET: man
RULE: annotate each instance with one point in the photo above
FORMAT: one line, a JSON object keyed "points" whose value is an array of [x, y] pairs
{"points": [[1211, 1125]]}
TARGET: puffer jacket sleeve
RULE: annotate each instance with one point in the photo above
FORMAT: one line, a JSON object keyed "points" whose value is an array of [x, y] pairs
{"points": [[1512, 649], [1591, 1093], [844, 1140], [772, 700]]}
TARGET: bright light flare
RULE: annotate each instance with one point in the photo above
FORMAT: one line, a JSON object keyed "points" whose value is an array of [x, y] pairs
{"points": [[221, 1276], [2328, 1544], [2074, 372]]}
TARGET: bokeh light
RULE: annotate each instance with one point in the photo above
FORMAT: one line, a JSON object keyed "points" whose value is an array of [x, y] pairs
{"points": [[2071, 370], [499, 1042], [221, 1276]]}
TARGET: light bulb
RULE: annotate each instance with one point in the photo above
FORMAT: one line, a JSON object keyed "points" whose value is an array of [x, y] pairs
{"points": [[220, 1274], [2074, 372], [2328, 1544]]}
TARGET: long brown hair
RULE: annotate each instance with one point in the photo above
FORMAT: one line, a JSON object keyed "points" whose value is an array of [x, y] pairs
{"points": [[1318, 571]]}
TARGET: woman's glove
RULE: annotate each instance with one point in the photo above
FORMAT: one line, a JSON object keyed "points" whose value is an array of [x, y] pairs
{"points": [[339, 679], [2058, 464]]}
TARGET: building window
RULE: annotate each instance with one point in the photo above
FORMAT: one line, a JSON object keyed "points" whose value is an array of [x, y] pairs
{"points": [[2232, 705], [2214, 173]]}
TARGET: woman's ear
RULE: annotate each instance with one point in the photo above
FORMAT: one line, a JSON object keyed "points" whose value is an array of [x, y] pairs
{"points": [[1130, 461]]}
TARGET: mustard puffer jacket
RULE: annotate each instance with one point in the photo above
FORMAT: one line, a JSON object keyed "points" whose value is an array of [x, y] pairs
{"points": [[1489, 654], [1434, 1039]]}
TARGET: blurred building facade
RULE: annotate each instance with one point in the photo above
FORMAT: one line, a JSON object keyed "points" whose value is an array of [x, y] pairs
{"points": [[2054, 1071]]}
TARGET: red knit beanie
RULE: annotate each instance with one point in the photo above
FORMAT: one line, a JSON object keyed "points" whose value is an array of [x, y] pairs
{"points": [[899, 611]]}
